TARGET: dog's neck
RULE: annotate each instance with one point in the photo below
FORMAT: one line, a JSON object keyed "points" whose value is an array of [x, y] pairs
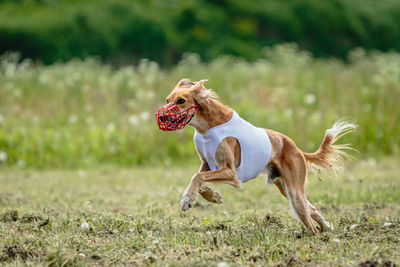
{"points": [[210, 114]]}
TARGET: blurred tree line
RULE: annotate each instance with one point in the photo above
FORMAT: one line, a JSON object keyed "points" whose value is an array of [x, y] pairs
{"points": [[123, 31]]}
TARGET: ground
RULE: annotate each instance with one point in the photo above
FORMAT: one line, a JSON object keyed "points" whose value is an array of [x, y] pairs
{"points": [[109, 215]]}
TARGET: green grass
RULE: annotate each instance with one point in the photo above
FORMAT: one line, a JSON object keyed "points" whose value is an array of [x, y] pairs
{"points": [[83, 112], [134, 218]]}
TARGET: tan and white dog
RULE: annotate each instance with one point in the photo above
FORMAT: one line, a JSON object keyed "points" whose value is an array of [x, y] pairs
{"points": [[287, 165]]}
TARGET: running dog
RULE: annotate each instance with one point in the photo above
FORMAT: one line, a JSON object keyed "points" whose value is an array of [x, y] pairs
{"points": [[233, 151]]}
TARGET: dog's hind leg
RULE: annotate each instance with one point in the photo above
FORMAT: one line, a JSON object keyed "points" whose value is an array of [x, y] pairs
{"points": [[274, 176], [300, 206], [278, 184], [302, 211], [293, 170], [325, 226]]}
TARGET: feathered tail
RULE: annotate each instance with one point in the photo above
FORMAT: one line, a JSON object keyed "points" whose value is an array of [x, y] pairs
{"points": [[329, 157]]}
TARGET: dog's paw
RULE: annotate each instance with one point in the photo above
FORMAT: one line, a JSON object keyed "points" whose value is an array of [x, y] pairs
{"points": [[238, 184], [328, 227], [217, 198], [187, 202], [210, 195]]}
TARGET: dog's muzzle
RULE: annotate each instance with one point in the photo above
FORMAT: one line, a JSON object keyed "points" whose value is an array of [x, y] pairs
{"points": [[170, 118]]}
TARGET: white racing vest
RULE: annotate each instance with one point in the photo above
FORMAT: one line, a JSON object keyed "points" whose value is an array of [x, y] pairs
{"points": [[255, 146]]}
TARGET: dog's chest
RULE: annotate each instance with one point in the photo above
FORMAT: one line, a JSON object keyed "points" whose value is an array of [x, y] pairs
{"points": [[254, 143]]}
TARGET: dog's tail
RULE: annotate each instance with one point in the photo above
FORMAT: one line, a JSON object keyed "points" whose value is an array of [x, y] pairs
{"points": [[329, 157]]}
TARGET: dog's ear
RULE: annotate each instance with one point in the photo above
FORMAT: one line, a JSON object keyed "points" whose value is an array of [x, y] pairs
{"points": [[186, 82], [200, 93]]}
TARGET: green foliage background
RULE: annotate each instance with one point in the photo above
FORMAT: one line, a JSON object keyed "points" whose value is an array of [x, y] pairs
{"points": [[81, 113], [78, 93], [124, 31], [95, 103]]}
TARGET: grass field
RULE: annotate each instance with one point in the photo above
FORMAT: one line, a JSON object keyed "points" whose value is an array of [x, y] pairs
{"points": [[83, 177], [133, 217]]}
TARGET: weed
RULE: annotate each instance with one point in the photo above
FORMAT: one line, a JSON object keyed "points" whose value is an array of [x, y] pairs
{"points": [[84, 113], [252, 227]]}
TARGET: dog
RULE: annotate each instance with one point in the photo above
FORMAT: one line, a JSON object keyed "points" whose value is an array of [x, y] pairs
{"points": [[233, 151]]}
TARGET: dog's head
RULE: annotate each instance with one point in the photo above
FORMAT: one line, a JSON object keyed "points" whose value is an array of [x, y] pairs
{"points": [[182, 103]]}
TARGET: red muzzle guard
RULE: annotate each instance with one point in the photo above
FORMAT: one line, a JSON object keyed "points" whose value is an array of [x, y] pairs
{"points": [[170, 118]]}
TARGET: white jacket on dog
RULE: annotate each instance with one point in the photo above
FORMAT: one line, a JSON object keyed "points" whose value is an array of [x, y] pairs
{"points": [[254, 143]]}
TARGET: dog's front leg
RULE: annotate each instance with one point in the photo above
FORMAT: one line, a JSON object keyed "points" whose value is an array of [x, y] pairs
{"points": [[189, 196], [223, 175], [225, 156], [206, 192]]}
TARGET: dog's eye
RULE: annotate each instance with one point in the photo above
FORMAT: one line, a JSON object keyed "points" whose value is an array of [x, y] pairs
{"points": [[180, 101]]}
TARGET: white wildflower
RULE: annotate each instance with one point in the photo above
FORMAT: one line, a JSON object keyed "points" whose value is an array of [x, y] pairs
{"points": [[353, 226], [21, 163], [368, 163], [133, 120], [131, 83], [73, 119], [87, 202], [36, 119], [302, 112], [150, 94], [367, 107], [85, 226], [145, 115], [110, 127], [88, 107], [82, 255], [112, 149], [310, 99], [44, 78], [17, 93], [288, 112], [151, 258], [223, 264], [82, 173], [336, 240], [89, 120], [3, 157], [131, 103], [387, 224]]}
